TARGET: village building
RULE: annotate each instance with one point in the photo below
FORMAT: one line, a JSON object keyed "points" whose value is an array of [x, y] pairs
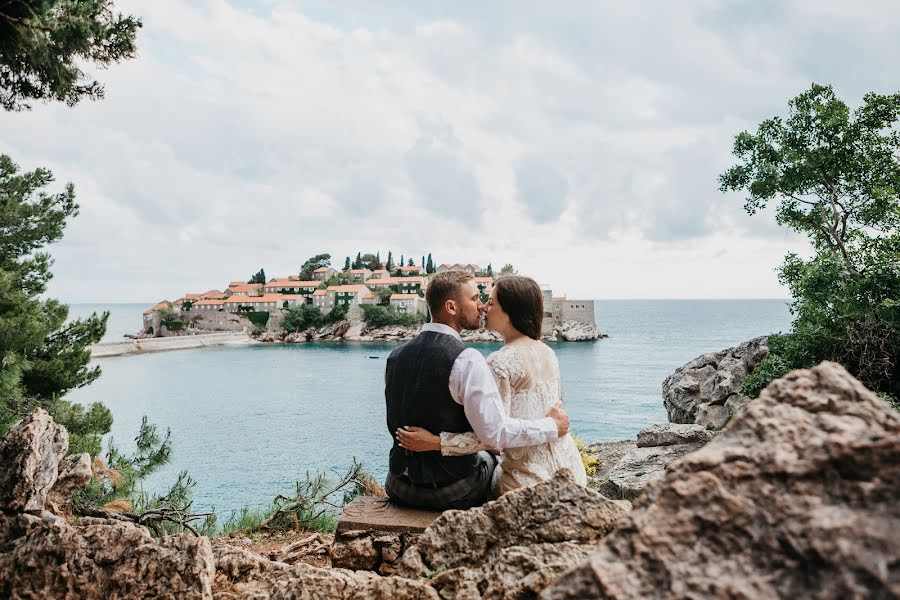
{"points": [[288, 286], [410, 270], [267, 302], [470, 268], [209, 304], [409, 304], [324, 273], [322, 300], [404, 285], [244, 289], [360, 275], [380, 274]]}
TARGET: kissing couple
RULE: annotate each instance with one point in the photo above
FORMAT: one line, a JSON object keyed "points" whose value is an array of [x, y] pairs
{"points": [[467, 429]]}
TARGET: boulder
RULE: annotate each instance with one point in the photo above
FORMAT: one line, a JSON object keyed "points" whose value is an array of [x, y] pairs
{"points": [[74, 473], [481, 335], [628, 478], [242, 574], [711, 380], [607, 455], [525, 540], [798, 497], [576, 331], [48, 558], [30, 454], [669, 434]]}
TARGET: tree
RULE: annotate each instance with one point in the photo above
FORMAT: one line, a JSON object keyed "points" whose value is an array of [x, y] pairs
{"points": [[44, 44], [410, 262], [401, 263], [489, 271], [429, 265], [370, 261], [347, 264], [41, 356], [390, 261], [507, 270], [357, 264], [423, 263], [835, 177], [260, 277], [313, 263]]}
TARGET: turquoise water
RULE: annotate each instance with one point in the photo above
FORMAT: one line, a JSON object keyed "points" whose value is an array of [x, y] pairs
{"points": [[248, 421]]}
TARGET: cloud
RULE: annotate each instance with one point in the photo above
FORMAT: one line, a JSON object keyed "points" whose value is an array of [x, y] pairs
{"points": [[264, 132], [541, 189], [444, 182]]}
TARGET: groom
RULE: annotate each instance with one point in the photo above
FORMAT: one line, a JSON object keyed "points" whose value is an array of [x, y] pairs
{"points": [[435, 382]]}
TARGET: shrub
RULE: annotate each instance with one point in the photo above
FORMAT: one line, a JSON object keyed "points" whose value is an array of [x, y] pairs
{"points": [[259, 318], [304, 316], [383, 316]]}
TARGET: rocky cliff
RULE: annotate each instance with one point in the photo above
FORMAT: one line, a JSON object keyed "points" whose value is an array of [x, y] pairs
{"points": [[798, 497]]}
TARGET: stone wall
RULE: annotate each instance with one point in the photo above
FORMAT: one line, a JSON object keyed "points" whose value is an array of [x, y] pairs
{"points": [[216, 321]]}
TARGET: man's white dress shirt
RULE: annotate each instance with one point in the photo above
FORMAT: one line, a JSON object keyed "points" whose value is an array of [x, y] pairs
{"points": [[473, 386]]}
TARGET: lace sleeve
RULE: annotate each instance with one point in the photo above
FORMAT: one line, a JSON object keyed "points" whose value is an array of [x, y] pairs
{"points": [[507, 369], [459, 444]]}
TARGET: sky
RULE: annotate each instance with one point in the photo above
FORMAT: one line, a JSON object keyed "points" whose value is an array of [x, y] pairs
{"points": [[580, 142]]}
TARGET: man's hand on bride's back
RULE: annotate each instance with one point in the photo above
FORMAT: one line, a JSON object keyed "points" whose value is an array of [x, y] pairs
{"points": [[561, 417]]}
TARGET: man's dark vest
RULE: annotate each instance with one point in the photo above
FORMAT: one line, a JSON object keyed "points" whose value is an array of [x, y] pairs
{"points": [[417, 392]]}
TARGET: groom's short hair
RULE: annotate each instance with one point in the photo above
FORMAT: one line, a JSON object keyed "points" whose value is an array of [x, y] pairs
{"points": [[445, 286]]}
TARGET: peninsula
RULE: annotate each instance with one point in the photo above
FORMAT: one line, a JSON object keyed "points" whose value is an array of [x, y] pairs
{"points": [[368, 300]]}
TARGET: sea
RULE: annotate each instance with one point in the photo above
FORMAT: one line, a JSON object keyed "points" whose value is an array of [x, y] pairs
{"points": [[247, 422]]}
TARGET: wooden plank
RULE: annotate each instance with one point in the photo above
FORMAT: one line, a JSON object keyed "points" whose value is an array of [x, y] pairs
{"points": [[377, 513]]}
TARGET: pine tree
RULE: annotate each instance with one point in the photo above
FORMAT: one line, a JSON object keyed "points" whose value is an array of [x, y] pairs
{"points": [[423, 263], [378, 258], [411, 263], [400, 264], [390, 261], [429, 265], [347, 264], [357, 264], [489, 270]]}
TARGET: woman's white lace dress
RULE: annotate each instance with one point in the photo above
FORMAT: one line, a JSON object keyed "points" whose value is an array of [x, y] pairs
{"points": [[528, 377]]}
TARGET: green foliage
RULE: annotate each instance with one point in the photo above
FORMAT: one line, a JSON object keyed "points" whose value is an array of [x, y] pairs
{"points": [[259, 318], [337, 313], [119, 477], [45, 44], [382, 316], [390, 261], [171, 320], [507, 270], [85, 426], [429, 265], [302, 317], [41, 356], [835, 176], [370, 261], [347, 264], [259, 277], [313, 263], [489, 271], [313, 506]]}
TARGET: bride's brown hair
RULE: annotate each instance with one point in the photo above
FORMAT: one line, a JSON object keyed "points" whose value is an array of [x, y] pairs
{"points": [[521, 299]]}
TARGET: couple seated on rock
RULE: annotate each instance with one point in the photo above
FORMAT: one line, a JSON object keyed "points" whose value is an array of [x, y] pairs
{"points": [[468, 429]]}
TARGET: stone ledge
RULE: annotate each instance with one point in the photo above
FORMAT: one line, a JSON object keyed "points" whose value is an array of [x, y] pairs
{"points": [[377, 513]]}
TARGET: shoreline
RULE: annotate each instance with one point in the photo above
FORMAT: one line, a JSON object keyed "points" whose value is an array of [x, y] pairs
{"points": [[165, 344]]}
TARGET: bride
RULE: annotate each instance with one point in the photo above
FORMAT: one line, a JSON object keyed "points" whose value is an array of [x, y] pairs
{"points": [[527, 374]]}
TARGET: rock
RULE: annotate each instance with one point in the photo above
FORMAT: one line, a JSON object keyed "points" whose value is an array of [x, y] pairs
{"points": [[388, 528], [74, 473], [52, 559], [524, 540], [711, 380], [607, 455], [480, 335], [242, 574], [357, 553], [668, 434], [576, 331], [735, 404], [640, 466], [332, 332], [266, 337], [798, 497], [30, 454], [712, 416]]}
